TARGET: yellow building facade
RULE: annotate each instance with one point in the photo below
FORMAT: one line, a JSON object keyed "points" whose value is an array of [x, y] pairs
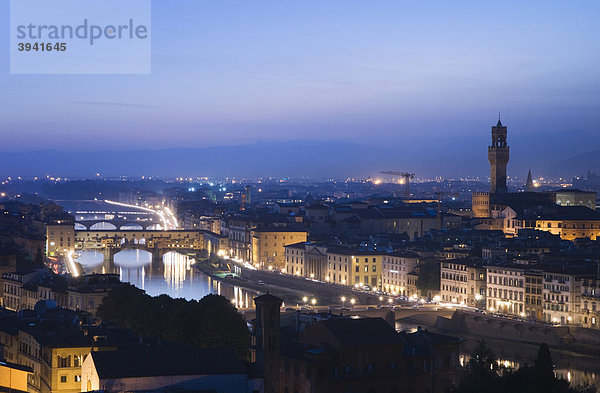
{"points": [[367, 269], [60, 239], [13, 377], [268, 245]]}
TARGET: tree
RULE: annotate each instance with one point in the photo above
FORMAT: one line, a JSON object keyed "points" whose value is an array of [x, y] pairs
{"points": [[38, 259], [481, 372], [429, 277], [211, 322]]}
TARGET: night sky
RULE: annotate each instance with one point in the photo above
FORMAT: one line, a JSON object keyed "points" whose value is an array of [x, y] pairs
{"points": [[401, 74]]}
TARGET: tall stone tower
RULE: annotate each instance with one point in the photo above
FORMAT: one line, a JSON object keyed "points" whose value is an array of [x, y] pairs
{"points": [[498, 157]]}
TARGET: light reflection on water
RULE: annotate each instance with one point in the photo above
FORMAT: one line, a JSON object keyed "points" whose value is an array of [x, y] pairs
{"points": [[174, 276], [575, 377], [577, 370]]}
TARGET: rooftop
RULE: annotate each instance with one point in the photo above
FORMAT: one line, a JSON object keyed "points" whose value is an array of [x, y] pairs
{"points": [[167, 362]]}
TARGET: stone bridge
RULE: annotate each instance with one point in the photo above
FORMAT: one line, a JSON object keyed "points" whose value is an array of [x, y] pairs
{"points": [[157, 242], [117, 224]]}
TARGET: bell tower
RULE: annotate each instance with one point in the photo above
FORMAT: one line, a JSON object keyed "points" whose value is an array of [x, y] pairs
{"points": [[498, 157]]}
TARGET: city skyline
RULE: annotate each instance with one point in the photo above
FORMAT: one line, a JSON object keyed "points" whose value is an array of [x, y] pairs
{"points": [[299, 196]]}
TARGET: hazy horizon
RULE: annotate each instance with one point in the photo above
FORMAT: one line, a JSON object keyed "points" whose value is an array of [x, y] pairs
{"points": [[309, 158]]}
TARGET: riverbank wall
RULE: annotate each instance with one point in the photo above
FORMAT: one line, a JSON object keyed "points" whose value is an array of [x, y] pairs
{"points": [[474, 324]]}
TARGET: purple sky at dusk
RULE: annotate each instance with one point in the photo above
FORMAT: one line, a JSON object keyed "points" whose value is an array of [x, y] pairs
{"points": [[377, 72]]}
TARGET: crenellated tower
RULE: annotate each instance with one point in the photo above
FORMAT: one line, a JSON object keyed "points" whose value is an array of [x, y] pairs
{"points": [[498, 157]]}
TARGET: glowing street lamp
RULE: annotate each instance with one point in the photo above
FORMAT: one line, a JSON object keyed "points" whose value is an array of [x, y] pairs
{"points": [[313, 301], [343, 299]]}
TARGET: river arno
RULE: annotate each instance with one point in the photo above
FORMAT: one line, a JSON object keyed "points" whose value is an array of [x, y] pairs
{"points": [[175, 276]]}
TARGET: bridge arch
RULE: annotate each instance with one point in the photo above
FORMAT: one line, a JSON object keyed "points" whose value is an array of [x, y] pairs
{"points": [[123, 257], [103, 225], [131, 227], [80, 227]]}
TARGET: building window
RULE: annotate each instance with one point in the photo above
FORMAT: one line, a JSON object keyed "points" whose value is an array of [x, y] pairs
{"points": [[63, 379], [64, 361]]}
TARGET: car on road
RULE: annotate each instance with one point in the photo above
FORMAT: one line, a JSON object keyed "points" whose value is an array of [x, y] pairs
{"points": [[261, 282]]}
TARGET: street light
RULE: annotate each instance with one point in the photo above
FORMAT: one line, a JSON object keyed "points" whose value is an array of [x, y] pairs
{"points": [[352, 301], [313, 301], [343, 299]]}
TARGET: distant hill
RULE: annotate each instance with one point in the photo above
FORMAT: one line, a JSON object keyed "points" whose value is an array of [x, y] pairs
{"points": [[426, 156], [579, 164]]}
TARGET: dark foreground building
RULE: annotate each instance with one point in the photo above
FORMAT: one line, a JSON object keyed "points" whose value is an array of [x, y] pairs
{"points": [[341, 354]]}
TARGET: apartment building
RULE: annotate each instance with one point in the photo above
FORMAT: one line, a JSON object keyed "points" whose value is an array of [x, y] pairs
{"points": [[534, 299], [506, 289], [590, 302], [395, 270], [268, 245], [294, 259], [562, 295], [462, 281], [339, 265], [60, 239]]}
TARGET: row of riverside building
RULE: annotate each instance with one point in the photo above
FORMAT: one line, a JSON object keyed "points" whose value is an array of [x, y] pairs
{"points": [[549, 292], [392, 272]]}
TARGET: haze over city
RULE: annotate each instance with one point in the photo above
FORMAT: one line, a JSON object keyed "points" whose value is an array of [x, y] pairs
{"points": [[424, 80]]}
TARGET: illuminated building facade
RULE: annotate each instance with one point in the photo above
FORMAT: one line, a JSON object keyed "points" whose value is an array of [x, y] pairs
{"points": [[60, 239], [562, 296], [294, 259], [569, 222], [395, 270], [506, 290], [534, 300], [268, 245], [462, 281]]}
